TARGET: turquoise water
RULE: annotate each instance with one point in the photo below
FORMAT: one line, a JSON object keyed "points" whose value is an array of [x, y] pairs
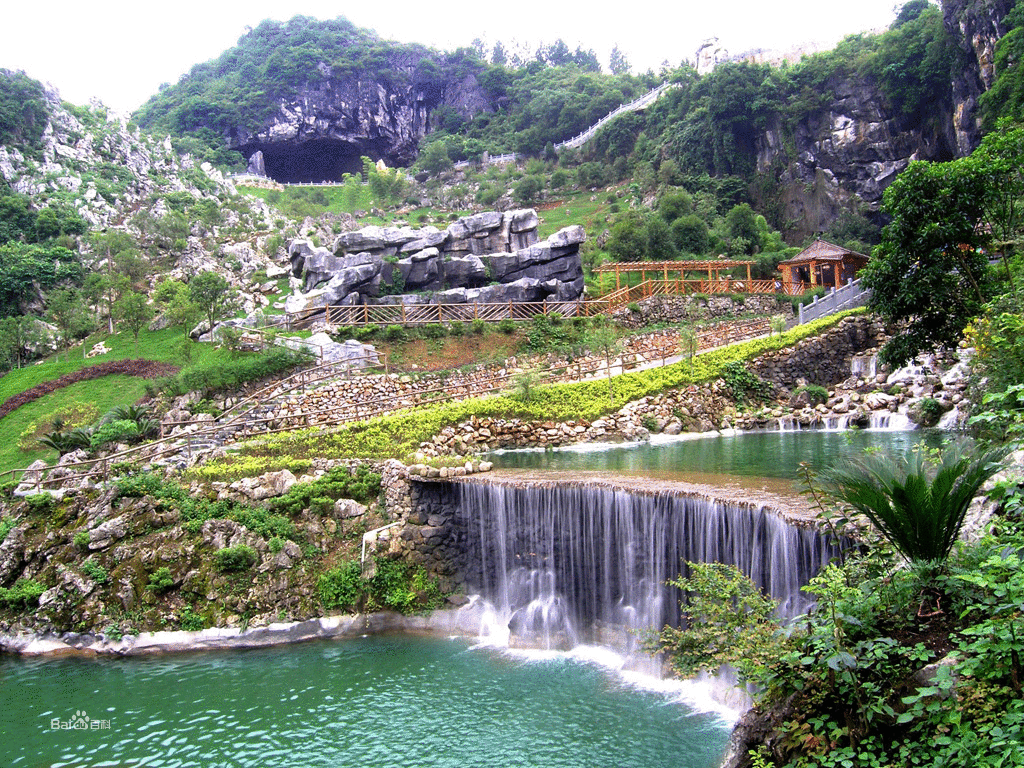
{"points": [[751, 454], [378, 701]]}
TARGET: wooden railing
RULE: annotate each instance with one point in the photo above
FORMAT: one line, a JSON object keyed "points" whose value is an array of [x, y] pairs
{"points": [[427, 314]]}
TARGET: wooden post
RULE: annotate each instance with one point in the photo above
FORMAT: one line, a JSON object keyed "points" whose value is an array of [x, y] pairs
{"points": [[618, 283], [748, 275]]}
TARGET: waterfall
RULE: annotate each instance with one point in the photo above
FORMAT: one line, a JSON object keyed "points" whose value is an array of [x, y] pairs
{"points": [[561, 564], [837, 422]]}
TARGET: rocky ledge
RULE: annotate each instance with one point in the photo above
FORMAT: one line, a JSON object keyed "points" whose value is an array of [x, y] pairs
{"points": [[489, 257]]}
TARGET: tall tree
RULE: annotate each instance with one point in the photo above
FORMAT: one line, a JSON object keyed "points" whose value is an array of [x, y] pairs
{"points": [[928, 273], [134, 311], [211, 293], [66, 310], [617, 62]]}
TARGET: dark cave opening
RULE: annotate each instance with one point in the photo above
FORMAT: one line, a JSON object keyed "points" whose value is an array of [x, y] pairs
{"points": [[317, 160]]}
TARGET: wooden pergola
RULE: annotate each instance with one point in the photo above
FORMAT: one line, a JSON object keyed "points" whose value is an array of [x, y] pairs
{"points": [[713, 269]]}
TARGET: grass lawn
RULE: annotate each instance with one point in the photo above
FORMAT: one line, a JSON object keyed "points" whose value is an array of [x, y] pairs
{"points": [[104, 393]]}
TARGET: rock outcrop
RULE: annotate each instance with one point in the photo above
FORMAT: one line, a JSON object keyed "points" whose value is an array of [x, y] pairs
{"points": [[489, 257], [852, 148], [323, 130]]}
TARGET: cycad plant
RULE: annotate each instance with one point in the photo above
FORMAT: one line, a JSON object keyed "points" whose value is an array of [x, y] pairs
{"points": [[917, 501]]}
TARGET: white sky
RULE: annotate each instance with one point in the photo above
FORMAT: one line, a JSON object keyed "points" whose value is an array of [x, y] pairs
{"points": [[122, 51]]}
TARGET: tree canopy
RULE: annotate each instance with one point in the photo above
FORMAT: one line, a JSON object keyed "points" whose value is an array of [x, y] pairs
{"points": [[929, 272]]}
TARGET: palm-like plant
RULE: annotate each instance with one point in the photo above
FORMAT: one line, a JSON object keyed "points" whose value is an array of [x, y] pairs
{"points": [[916, 502]]}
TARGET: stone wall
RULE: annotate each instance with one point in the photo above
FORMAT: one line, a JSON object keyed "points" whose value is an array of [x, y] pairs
{"points": [[675, 309], [823, 360], [430, 534]]}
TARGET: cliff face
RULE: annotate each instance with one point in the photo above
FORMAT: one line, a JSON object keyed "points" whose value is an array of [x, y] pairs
{"points": [[322, 132], [852, 149], [976, 26], [849, 151]]}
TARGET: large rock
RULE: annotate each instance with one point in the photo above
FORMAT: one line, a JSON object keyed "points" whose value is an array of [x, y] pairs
{"points": [[453, 266]]}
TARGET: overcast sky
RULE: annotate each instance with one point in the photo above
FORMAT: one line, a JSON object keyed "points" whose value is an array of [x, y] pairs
{"points": [[122, 51]]}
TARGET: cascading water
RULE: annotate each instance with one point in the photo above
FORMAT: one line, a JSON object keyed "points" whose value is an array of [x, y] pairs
{"points": [[579, 562]]}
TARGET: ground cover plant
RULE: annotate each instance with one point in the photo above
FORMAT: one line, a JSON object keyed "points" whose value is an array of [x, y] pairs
{"points": [[399, 435], [843, 685]]}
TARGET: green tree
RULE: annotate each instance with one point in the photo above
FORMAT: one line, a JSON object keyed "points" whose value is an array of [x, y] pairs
{"points": [[435, 159], [675, 204], [66, 310], [628, 241], [174, 299], [690, 234], [211, 293], [617, 62], [741, 224], [17, 334], [928, 273], [659, 244], [135, 311], [601, 339]]}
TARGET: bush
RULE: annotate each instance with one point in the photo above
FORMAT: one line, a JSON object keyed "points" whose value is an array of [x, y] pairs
{"points": [[394, 333], [815, 395], [341, 587], [23, 594], [160, 580], [456, 329], [233, 559], [363, 486], [478, 326], [95, 571], [507, 326], [191, 621], [121, 431], [230, 375], [433, 331]]}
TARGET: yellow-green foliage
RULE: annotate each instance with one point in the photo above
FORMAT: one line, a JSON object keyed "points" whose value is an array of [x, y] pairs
{"points": [[399, 434], [232, 468], [67, 417]]}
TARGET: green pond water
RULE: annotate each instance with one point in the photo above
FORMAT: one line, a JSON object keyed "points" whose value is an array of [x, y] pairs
{"points": [[723, 459], [403, 700], [376, 701]]}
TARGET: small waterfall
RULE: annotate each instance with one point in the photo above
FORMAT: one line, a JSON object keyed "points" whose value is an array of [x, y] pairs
{"points": [[837, 422], [864, 366], [561, 564]]}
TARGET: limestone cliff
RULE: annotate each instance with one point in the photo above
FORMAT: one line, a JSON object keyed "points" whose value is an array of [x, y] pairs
{"points": [[331, 122], [850, 149]]}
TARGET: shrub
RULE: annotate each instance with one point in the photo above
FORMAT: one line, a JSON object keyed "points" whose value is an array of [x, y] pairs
{"points": [[815, 395], [23, 594], [478, 326], [433, 331], [232, 559], [394, 333], [276, 544], [230, 375], [338, 483], [5, 528], [916, 502], [191, 621], [341, 587], [41, 503], [121, 431], [160, 580], [507, 326], [95, 571]]}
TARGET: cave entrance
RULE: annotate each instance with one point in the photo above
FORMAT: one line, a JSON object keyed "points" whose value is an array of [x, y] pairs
{"points": [[315, 161]]}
